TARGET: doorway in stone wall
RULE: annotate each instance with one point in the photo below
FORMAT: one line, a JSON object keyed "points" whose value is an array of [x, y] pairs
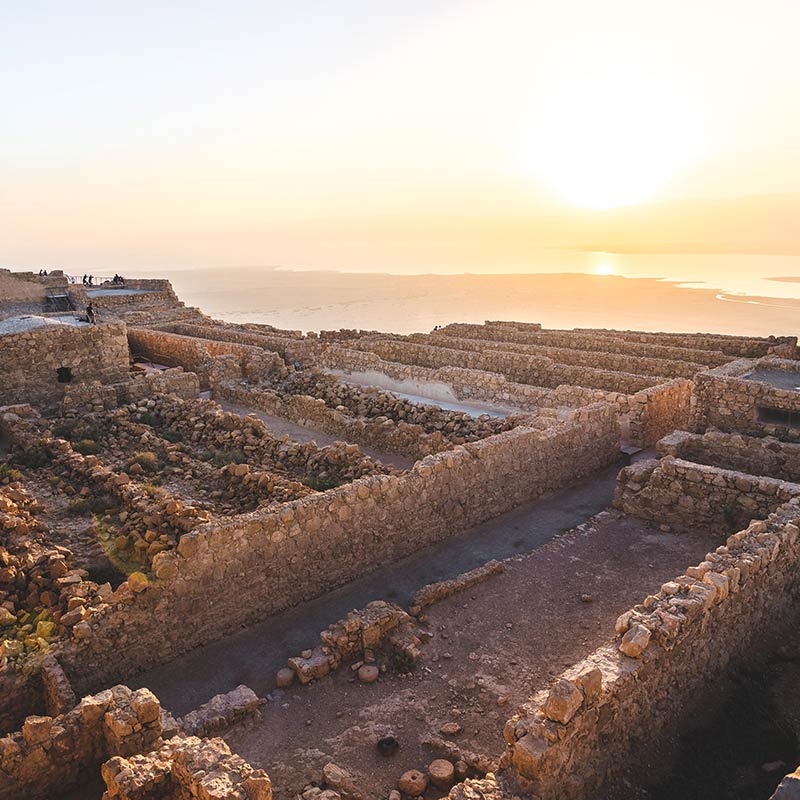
{"points": [[64, 375]]}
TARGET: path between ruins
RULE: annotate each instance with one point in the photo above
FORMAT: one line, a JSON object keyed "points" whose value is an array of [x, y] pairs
{"points": [[252, 655]]}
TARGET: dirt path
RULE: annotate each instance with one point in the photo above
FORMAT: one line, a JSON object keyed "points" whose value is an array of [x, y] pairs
{"points": [[492, 646], [251, 656]]}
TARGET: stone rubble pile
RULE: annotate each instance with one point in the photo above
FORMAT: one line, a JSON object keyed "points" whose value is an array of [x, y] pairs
{"points": [[185, 769], [380, 625], [41, 595], [50, 754]]}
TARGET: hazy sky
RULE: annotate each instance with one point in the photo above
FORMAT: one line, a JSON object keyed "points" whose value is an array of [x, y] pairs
{"points": [[325, 133]]}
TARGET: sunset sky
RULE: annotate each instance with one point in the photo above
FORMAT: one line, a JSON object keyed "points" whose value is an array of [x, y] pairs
{"points": [[346, 133]]}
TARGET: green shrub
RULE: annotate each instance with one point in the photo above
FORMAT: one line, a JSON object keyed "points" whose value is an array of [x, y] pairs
{"points": [[321, 484], [147, 460], [222, 458], [146, 418], [87, 447], [171, 436], [32, 457], [9, 474], [78, 506]]}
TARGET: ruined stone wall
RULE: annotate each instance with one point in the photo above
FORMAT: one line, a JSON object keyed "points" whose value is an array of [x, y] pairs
{"points": [[734, 346], [724, 400], [595, 723], [537, 370], [465, 384], [185, 768], [196, 354], [16, 288], [614, 362], [387, 435], [230, 573], [656, 411], [645, 416], [288, 348], [748, 454], [90, 397], [591, 340], [31, 360], [51, 754], [676, 492]]}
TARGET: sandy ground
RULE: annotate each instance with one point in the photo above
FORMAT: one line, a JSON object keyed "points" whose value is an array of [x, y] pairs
{"points": [[492, 646]]}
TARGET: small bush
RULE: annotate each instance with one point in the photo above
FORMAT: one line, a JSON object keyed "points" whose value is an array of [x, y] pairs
{"points": [[147, 460], [171, 436], [87, 447], [32, 457], [222, 458], [78, 506], [9, 474], [77, 430], [321, 484], [146, 418]]}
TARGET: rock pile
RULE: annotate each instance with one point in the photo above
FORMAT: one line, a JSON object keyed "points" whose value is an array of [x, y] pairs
{"points": [[41, 595], [358, 636]]}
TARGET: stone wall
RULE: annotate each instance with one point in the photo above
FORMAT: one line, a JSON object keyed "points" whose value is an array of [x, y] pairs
{"points": [[90, 397], [676, 492], [461, 383], [589, 340], [749, 454], [724, 399], [289, 348], [517, 367], [387, 435], [31, 360], [185, 769], [614, 362], [235, 572], [734, 346], [196, 355], [51, 754], [653, 412], [16, 288], [645, 416], [595, 723]]}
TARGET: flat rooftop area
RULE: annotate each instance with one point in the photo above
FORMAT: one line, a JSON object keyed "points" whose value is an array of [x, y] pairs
{"points": [[32, 322], [106, 292], [790, 381]]}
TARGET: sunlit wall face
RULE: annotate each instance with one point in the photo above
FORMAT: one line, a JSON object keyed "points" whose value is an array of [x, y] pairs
{"points": [[369, 132]]}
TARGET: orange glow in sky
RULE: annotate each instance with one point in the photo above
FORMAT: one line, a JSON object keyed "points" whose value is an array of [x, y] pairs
{"points": [[365, 132]]}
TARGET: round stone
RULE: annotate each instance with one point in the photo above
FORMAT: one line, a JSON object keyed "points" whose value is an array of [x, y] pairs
{"points": [[284, 678], [368, 673], [413, 783], [441, 773]]}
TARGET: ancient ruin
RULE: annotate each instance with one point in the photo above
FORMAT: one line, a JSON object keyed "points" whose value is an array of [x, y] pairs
{"points": [[487, 561]]}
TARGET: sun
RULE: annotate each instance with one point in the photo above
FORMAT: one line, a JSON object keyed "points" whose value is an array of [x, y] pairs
{"points": [[610, 138], [604, 268]]}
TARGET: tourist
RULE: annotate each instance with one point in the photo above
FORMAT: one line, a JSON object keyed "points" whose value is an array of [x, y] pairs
{"points": [[91, 278], [91, 315], [84, 280]]}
